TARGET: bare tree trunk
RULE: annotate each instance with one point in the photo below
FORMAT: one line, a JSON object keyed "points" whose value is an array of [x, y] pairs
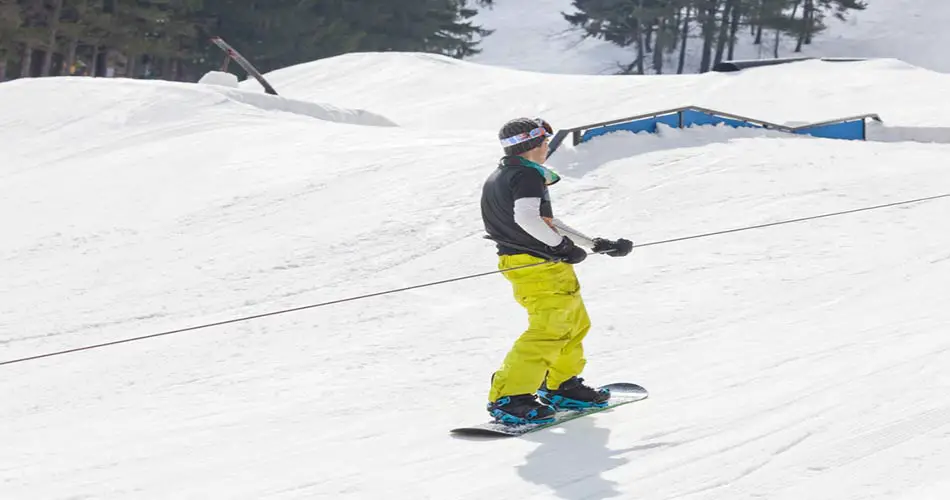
{"points": [[759, 22], [73, 45], [684, 40], [71, 54], [3, 68], [94, 63], [734, 29], [26, 63], [59, 65], [778, 38], [709, 33], [53, 29], [130, 66], [810, 10], [677, 22], [110, 58], [723, 31], [660, 46], [167, 69], [649, 37], [641, 55], [801, 34]]}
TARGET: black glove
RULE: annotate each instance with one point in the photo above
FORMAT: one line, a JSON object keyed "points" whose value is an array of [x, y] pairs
{"points": [[617, 248], [569, 252]]}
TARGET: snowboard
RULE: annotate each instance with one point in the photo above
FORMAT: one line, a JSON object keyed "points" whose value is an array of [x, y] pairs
{"points": [[621, 393]]}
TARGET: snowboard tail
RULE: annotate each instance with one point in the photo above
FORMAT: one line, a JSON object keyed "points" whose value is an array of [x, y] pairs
{"points": [[621, 393]]}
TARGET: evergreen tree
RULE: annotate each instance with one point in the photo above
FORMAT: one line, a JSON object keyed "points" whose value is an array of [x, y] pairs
{"points": [[660, 26], [278, 33], [626, 23], [814, 13], [169, 38]]}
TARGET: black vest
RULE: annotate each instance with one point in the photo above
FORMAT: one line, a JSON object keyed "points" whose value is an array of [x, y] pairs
{"points": [[512, 180]]}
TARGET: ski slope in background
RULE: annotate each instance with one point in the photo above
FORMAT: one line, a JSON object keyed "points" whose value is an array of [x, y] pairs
{"points": [[801, 361], [535, 36]]}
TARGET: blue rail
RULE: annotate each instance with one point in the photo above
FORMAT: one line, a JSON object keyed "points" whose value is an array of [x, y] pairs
{"points": [[850, 128]]}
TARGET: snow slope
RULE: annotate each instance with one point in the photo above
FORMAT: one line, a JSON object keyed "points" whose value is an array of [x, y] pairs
{"points": [[436, 92], [534, 36], [800, 361]]}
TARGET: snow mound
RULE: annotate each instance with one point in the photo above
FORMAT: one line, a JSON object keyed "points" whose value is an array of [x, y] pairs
{"points": [[442, 93], [221, 78], [122, 102]]}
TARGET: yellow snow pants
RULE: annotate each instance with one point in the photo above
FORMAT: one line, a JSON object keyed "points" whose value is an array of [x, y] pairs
{"points": [[557, 324]]}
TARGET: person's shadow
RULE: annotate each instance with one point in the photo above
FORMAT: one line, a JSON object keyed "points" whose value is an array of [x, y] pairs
{"points": [[572, 458]]}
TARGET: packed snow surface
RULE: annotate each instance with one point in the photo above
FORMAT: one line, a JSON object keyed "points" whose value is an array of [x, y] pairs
{"points": [[807, 360]]}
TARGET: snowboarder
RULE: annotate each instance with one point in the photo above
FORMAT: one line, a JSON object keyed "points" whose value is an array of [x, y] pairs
{"points": [[539, 375]]}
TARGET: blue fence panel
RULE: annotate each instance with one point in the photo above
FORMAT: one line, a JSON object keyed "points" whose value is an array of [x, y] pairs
{"points": [[643, 125], [692, 117], [673, 120], [853, 130]]}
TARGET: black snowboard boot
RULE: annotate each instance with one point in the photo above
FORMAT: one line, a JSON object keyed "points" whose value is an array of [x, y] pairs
{"points": [[521, 409], [574, 395]]}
